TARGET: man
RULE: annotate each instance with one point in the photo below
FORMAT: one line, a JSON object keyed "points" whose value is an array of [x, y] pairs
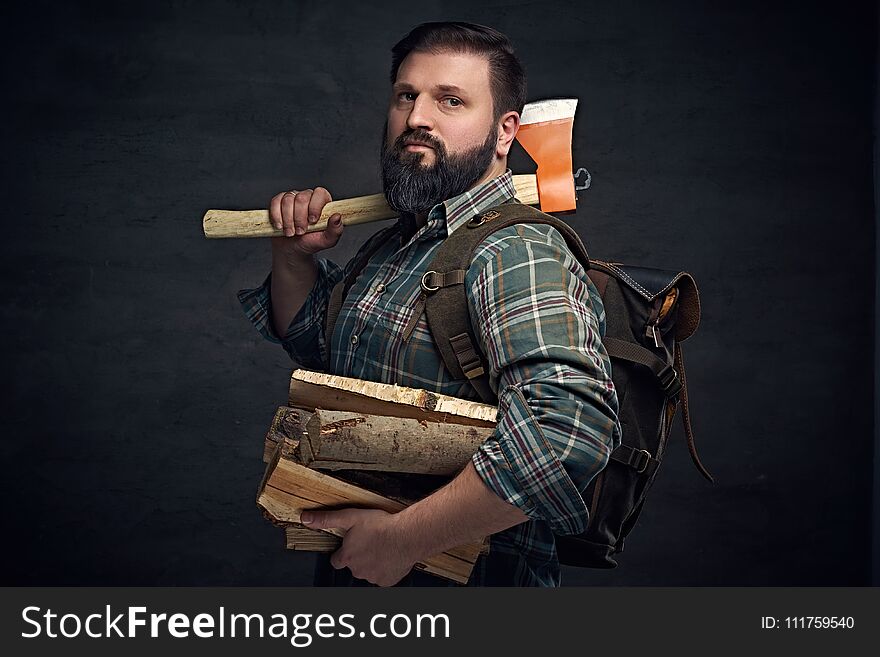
{"points": [[457, 93]]}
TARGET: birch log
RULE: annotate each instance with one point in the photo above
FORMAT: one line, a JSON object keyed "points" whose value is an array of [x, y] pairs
{"points": [[345, 440], [403, 487], [357, 441]]}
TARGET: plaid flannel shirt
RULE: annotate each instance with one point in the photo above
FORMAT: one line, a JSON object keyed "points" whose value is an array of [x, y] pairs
{"points": [[539, 320]]}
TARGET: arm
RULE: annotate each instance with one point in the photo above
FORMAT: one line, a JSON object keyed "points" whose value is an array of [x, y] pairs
{"points": [[289, 307], [303, 339], [293, 277]]}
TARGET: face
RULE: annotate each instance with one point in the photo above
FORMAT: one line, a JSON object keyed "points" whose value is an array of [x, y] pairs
{"points": [[443, 102]]}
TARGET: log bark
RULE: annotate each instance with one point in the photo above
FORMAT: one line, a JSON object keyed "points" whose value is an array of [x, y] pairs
{"points": [[288, 489], [312, 390], [345, 440]]}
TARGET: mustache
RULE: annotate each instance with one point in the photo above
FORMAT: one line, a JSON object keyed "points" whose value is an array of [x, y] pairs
{"points": [[418, 135]]}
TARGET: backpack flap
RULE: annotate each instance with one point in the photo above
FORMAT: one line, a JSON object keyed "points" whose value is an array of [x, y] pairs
{"points": [[652, 284]]}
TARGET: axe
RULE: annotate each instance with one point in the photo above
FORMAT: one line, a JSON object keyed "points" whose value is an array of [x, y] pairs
{"points": [[545, 133]]}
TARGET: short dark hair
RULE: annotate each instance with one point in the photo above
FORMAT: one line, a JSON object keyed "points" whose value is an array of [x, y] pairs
{"points": [[506, 75]]}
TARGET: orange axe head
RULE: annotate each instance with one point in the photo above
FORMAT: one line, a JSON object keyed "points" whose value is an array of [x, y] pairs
{"points": [[545, 133]]}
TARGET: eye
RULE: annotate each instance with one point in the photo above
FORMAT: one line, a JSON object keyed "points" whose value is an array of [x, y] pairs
{"points": [[453, 102], [406, 96]]}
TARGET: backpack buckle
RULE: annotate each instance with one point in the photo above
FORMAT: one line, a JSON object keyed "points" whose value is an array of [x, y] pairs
{"points": [[669, 381], [639, 459], [473, 222], [466, 355]]}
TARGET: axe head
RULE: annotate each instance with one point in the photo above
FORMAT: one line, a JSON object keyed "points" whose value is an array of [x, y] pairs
{"points": [[545, 133]]}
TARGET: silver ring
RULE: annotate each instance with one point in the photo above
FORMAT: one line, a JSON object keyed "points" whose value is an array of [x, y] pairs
{"points": [[425, 286]]}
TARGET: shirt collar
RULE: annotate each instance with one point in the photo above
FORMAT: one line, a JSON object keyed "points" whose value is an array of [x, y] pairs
{"points": [[463, 207], [453, 212]]}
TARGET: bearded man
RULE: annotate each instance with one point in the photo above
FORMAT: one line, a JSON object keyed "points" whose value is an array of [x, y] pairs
{"points": [[456, 98]]}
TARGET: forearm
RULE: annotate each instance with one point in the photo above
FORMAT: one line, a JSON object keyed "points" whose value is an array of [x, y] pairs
{"points": [[292, 279], [464, 510]]}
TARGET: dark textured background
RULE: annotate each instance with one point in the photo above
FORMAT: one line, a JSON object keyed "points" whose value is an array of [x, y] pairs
{"points": [[731, 139]]}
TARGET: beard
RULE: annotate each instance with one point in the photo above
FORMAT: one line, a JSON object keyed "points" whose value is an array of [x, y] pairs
{"points": [[410, 186]]}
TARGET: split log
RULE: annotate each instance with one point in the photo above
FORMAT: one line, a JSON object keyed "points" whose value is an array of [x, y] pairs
{"points": [[300, 537], [345, 440], [311, 390], [288, 489]]}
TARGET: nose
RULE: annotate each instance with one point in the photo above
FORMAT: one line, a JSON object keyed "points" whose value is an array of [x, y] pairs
{"points": [[420, 115]]}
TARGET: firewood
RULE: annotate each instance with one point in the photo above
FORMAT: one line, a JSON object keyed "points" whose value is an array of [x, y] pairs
{"points": [[311, 390], [289, 488]]}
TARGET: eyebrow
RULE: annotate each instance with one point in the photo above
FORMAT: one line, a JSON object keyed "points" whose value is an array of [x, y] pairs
{"points": [[450, 88]]}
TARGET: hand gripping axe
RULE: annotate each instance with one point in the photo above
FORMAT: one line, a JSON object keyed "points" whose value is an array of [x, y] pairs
{"points": [[545, 133]]}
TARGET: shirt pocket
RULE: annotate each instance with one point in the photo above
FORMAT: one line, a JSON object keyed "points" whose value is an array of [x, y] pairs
{"points": [[384, 310]]}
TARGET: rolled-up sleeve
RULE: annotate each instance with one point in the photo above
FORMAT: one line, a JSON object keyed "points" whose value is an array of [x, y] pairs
{"points": [[304, 339], [540, 324]]}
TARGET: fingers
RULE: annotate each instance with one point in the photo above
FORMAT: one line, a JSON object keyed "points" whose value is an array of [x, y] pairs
{"points": [[339, 559], [275, 214], [301, 211], [327, 519], [293, 211], [288, 200], [330, 520], [320, 198], [333, 232]]}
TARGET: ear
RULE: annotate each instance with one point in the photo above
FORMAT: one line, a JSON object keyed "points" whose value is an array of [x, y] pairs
{"points": [[508, 126]]}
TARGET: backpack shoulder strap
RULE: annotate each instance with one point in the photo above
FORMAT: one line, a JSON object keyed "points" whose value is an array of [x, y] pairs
{"points": [[446, 306], [340, 290]]}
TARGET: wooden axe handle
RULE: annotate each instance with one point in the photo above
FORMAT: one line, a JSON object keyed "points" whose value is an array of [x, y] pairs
{"points": [[358, 210]]}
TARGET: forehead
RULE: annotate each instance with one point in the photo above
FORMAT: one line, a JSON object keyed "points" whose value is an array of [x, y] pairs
{"points": [[455, 72]]}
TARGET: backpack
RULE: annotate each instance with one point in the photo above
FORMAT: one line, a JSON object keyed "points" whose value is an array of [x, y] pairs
{"points": [[648, 313]]}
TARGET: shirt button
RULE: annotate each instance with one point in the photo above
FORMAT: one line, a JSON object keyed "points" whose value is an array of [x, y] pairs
{"points": [[354, 339], [380, 288]]}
